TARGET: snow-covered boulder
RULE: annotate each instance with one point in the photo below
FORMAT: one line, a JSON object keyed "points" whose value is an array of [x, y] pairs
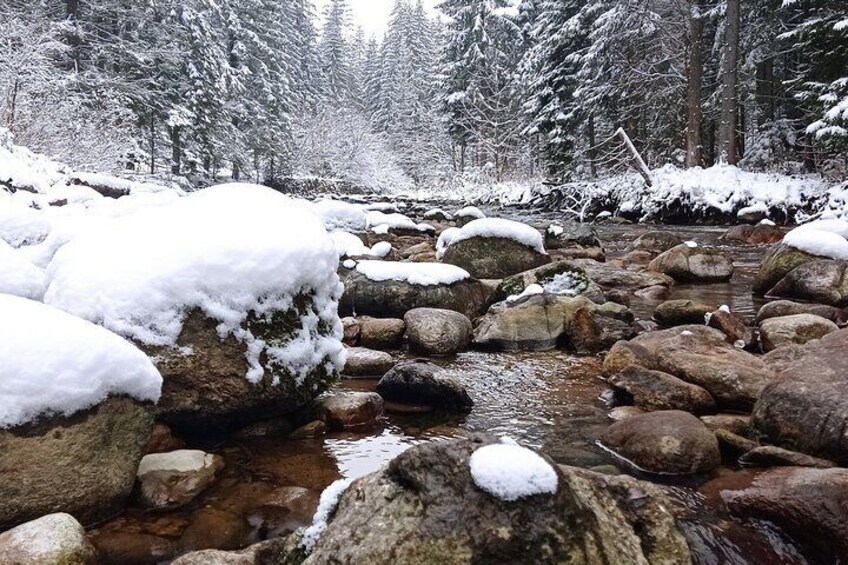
{"points": [[55, 539], [338, 215], [20, 224], [467, 215], [396, 223], [76, 408], [232, 290], [692, 263], [822, 239], [390, 289], [438, 215], [495, 248], [498, 505], [18, 276]]}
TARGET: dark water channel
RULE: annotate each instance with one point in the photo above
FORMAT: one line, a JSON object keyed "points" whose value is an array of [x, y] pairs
{"points": [[549, 400]]}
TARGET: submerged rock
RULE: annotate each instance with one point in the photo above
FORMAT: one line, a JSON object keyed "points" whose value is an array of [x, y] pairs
{"points": [[667, 442], [55, 539], [426, 507], [84, 464], [809, 504], [436, 331], [687, 263], [171, 480], [773, 456], [351, 410]]}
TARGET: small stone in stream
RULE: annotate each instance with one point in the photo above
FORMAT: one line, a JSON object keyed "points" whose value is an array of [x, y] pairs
{"points": [[667, 442], [284, 510], [381, 333], [417, 249], [422, 383], [435, 331], [54, 539], [739, 233], [733, 326], [351, 331], [773, 456], [622, 412], [656, 292], [796, 329], [655, 390], [637, 257], [780, 308], [351, 410], [138, 548], [171, 480], [765, 233], [265, 428], [311, 430], [655, 242], [211, 528], [618, 296], [364, 362], [596, 328], [693, 263], [735, 443], [681, 312], [739, 424], [162, 440], [811, 505]]}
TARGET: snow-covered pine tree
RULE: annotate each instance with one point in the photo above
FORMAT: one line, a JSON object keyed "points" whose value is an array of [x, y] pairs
{"points": [[334, 51]]}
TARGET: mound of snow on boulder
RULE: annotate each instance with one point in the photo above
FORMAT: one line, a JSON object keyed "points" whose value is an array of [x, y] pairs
{"points": [[510, 472], [823, 238], [500, 228], [18, 276], [424, 274], [228, 251], [55, 363]]}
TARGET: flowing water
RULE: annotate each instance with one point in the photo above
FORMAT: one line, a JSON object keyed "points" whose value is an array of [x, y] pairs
{"points": [[550, 400]]}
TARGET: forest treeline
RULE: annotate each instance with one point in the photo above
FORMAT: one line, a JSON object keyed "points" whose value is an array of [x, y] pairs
{"points": [[262, 89]]}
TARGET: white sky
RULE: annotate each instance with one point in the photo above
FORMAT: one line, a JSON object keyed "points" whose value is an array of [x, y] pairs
{"points": [[372, 15]]}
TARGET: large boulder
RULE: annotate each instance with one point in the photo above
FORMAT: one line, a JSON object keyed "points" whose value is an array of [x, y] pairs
{"points": [[608, 276], [668, 442], [495, 249], [76, 410], [414, 285], [795, 329], [55, 539], [806, 408], [436, 331], [424, 384], [778, 262], [441, 503], [693, 263], [824, 281], [205, 376], [543, 321], [779, 308], [811, 505], [655, 390], [681, 312], [84, 464]]}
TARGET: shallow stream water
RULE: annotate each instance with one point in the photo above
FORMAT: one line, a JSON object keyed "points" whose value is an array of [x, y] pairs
{"points": [[549, 400]]}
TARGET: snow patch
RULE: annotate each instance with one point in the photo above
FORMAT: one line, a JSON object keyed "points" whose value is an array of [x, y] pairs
{"points": [[500, 228], [531, 290], [381, 249], [327, 504], [445, 239], [470, 212], [818, 242], [18, 276], [338, 215], [423, 274], [510, 472], [56, 363]]}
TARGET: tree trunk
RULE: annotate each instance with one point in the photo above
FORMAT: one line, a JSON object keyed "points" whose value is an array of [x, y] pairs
{"points": [[728, 147], [590, 130], [152, 144], [176, 151], [694, 86]]}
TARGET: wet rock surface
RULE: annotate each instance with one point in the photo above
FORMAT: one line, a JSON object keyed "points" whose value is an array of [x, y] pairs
{"points": [[493, 257], [685, 263], [435, 331], [797, 329], [422, 383]]}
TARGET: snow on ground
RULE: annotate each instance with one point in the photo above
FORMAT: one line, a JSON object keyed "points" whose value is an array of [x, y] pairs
{"points": [[470, 212], [500, 228], [531, 290], [423, 274], [326, 506], [510, 472], [825, 238], [56, 363], [18, 276], [385, 222], [348, 245], [139, 274], [338, 215]]}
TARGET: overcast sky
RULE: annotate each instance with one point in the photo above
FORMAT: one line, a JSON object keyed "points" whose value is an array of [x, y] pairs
{"points": [[373, 15]]}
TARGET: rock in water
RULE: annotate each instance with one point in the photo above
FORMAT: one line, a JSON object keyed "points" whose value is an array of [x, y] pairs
{"points": [[655, 242], [779, 308], [422, 383], [435, 331], [495, 249], [681, 312], [778, 262], [363, 362], [655, 390], [795, 329], [55, 539], [823, 281], [691, 263], [809, 504], [381, 333], [171, 480], [668, 442], [426, 508], [806, 408], [351, 410]]}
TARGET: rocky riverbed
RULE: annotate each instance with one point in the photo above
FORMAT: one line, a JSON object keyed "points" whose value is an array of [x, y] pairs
{"points": [[635, 358]]}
